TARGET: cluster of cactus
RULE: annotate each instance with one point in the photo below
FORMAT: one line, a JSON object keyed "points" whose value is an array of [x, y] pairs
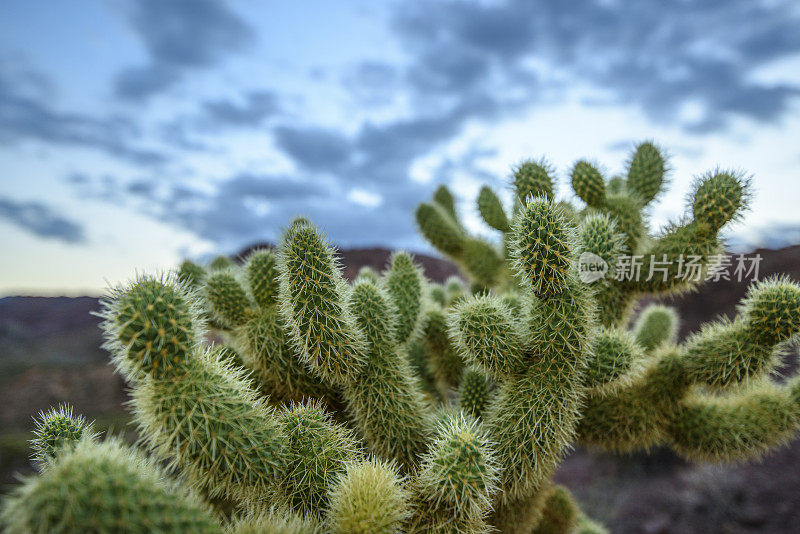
{"points": [[274, 396]]}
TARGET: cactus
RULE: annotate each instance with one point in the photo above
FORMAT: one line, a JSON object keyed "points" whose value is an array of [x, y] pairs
{"points": [[395, 404], [104, 487]]}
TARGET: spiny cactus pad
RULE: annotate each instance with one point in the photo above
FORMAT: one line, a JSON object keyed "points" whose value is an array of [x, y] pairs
{"points": [[262, 277], [542, 246], [720, 197], [151, 326], [588, 183], [533, 179], [646, 171]]}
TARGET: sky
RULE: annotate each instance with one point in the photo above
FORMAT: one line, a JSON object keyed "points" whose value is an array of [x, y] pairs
{"points": [[136, 133]]}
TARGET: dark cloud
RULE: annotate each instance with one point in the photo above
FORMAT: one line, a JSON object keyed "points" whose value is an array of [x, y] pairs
{"points": [[466, 62], [314, 148], [658, 58], [248, 208], [473, 61], [257, 106], [41, 220], [180, 35], [215, 116], [27, 114], [136, 83]]}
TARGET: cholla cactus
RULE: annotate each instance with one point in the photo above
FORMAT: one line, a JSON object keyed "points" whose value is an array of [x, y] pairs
{"points": [[394, 404]]}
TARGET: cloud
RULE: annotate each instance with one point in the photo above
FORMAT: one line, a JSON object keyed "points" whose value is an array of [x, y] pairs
{"points": [[257, 106], [465, 62], [657, 58], [213, 117], [314, 148], [180, 35], [25, 114], [41, 220], [248, 208], [373, 83]]}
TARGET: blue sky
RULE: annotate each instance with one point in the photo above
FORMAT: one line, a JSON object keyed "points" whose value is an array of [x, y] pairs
{"points": [[135, 133]]}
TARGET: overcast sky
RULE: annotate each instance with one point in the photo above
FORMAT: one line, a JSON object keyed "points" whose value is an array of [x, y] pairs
{"points": [[135, 133]]}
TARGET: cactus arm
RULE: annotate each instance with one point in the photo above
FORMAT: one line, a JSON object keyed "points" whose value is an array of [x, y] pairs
{"points": [[491, 209], [387, 406], [532, 419], [474, 393], [614, 360], [444, 362], [214, 427], [440, 230], [560, 513], [266, 349], [588, 184], [483, 262], [532, 178], [647, 171], [317, 452], [738, 427], [720, 356], [477, 257], [262, 277], [633, 417], [58, 430], [655, 326], [444, 198], [406, 285], [727, 353], [191, 274], [230, 305], [264, 344], [192, 408], [486, 335], [312, 296]]}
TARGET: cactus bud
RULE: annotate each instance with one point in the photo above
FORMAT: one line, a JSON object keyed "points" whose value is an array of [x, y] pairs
{"points": [[191, 274], [656, 325], [444, 198], [368, 498], [220, 263], [772, 309]]}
